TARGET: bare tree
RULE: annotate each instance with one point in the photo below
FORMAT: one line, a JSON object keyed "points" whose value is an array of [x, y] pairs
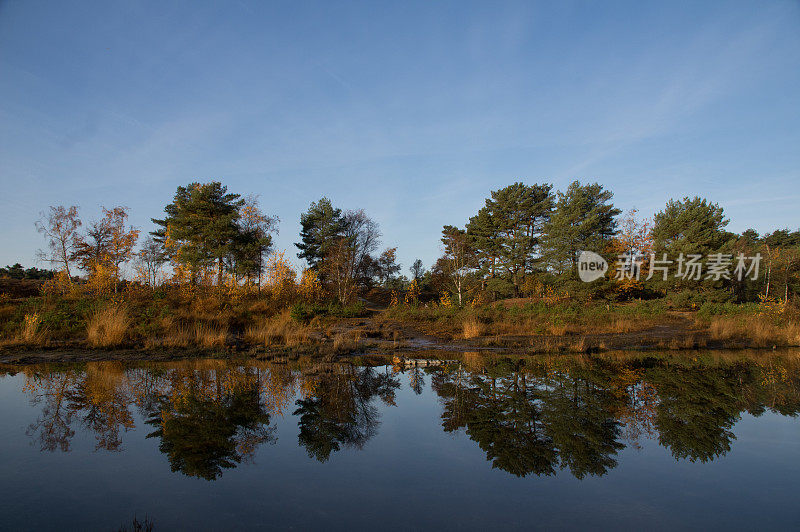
{"points": [[150, 259], [349, 258], [60, 228]]}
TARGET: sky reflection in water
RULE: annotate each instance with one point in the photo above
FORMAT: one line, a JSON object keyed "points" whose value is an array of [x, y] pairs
{"points": [[564, 442]]}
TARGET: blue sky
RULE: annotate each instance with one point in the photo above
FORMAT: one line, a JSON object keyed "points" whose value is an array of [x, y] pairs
{"points": [[412, 111]]}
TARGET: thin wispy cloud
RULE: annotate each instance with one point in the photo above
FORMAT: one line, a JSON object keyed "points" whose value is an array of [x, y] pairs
{"points": [[412, 112]]}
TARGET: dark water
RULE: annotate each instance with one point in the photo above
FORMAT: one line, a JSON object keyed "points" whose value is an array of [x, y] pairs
{"points": [[658, 442]]}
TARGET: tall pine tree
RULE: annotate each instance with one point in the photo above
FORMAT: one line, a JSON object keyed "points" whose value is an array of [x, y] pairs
{"points": [[321, 225], [200, 228], [506, 233], [583, 220]]}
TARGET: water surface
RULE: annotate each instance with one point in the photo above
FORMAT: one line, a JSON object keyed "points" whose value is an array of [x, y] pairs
{"points": [[656, 442]]}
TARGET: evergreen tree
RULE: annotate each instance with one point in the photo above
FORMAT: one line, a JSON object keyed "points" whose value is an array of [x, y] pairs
{"points": [[458, 261], [417, 270], [689, 226], [506, 232], [200, 228], [387, 265], [253, 241], [320, 225], [583, 220]]}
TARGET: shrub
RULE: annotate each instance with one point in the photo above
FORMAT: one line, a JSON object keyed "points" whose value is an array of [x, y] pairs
{"points": [[305, 312], [281, 329], [32, 332], [472, 328], [108, 326]]}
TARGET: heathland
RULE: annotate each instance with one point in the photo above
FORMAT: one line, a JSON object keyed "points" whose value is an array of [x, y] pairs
{"points": [[207, 280]]}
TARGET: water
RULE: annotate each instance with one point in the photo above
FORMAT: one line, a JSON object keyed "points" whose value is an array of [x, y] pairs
{"points": [[657, 442]]}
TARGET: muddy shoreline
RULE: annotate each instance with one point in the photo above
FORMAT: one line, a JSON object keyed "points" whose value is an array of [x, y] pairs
{"points": [[659, 339]]}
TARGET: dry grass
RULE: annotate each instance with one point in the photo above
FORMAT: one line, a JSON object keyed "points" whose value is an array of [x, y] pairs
{"points": [[755, 329], [203, 334], [472, 328], [581, 345], [210, 335], [347, 341], [279, 330], [108, 326], [32, 331], [622, 325], [536, 326]]}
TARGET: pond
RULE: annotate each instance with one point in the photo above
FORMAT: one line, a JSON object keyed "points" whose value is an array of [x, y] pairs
{"points": [[658, 441]]}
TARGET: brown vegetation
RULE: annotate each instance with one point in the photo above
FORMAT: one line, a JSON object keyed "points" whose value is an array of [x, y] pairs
{"points": [[278, 330], [472, 328], [758, 330], [108, 326]]}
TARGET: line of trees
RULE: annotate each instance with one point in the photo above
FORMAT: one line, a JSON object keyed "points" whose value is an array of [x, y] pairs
{"points": [[525, 239]]}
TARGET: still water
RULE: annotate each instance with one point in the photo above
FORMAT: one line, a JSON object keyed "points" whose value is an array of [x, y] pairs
{"points": [[701, 441]]}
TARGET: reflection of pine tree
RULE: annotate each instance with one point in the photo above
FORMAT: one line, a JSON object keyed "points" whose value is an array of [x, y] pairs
{"points": [[502, 415], [204, 435], [340, 412], [532, 422], [698, 407], [579, 419]]}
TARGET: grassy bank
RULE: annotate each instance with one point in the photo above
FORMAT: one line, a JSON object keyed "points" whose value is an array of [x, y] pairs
{"points": [[218, 320]]}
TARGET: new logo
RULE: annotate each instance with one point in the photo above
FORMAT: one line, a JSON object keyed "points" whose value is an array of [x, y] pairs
{"points": [[591, 266]]}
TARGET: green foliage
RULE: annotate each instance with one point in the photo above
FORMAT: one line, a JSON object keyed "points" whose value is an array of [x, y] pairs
{"points": [[536, 314], [305, 312], [583, 220], [689, 226], [694, 299], [320, 225], [17, 271], [506, 232], [710, 309], [200, 227]]}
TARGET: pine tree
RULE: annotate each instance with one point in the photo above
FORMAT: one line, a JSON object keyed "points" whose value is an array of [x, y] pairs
{"points": [[200, 228], [388, 266], [506, 232], [458, 261], [689, 226], [320, 225], [417, 270], [583, 220], [253, 242]]}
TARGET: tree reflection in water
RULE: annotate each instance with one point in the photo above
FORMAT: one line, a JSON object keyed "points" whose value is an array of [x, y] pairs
{"points": [[340, 411], [538, 414], [534, 415]]}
